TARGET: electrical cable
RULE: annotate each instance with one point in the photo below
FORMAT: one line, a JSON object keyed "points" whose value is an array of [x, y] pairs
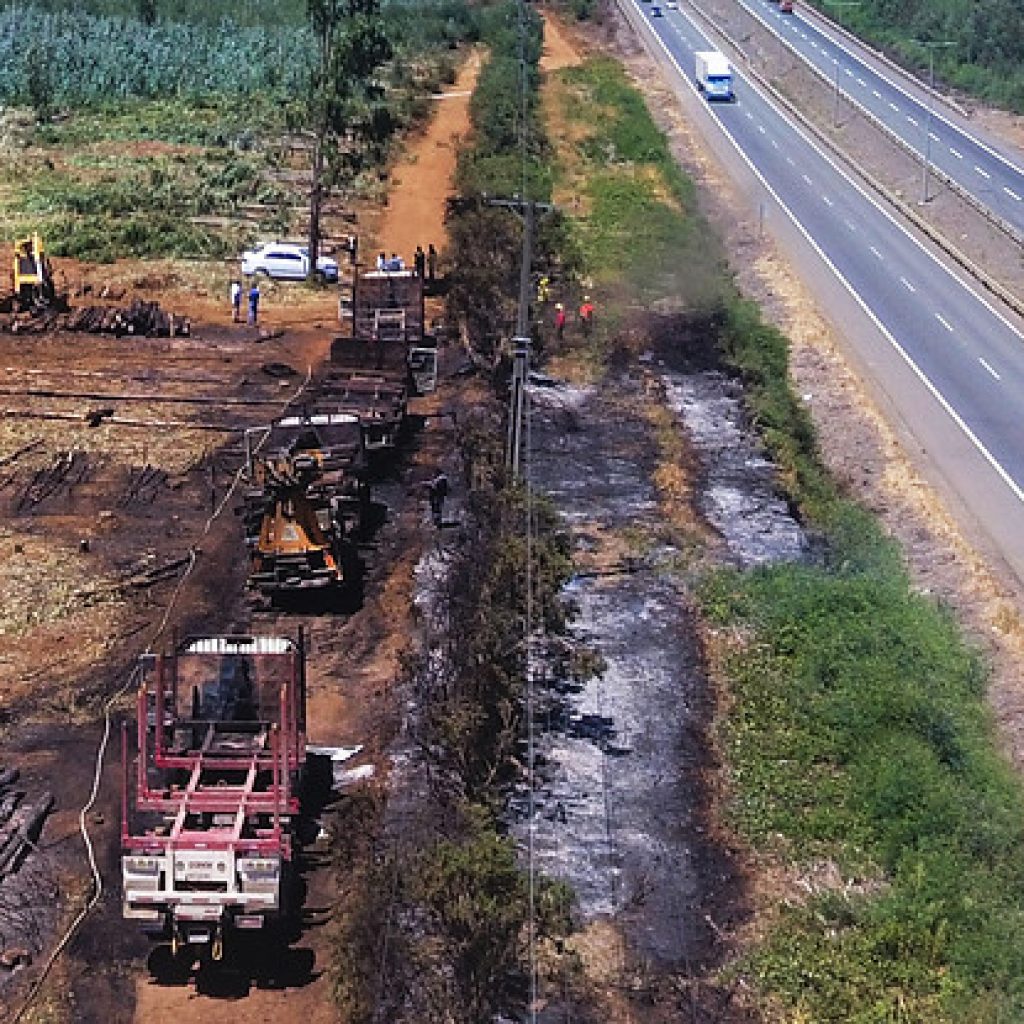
{"points": [[101, 751]]}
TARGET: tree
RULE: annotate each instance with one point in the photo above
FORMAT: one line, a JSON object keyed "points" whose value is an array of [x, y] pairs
{"points": [[147, 12], [348, 119]]}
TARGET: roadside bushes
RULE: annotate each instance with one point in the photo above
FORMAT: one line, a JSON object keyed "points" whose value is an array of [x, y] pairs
{"points": [[860, 738]]}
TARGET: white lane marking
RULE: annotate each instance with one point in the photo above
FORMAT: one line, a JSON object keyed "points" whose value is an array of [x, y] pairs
{"points": [[906, 284], [945, 323], [959, 156], [982, 171], [1013, 195], [1011, 485], [775, 145], [846, 71], [875, 252], [860, 81], [827, 201], [851, 225], [875, 92], [813, 43], [750, 116], [912, 120], [892, 106], [806, 179], [761, 129], [934, 137], [989, 368]]}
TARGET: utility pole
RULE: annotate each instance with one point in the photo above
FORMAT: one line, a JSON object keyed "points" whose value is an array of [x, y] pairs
{"points": [[931, 45], [839, 5], [527, 210]]}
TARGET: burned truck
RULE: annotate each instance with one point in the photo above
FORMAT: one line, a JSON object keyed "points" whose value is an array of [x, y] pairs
{"points": [[387, 356], [210, 804], [306, 504]]}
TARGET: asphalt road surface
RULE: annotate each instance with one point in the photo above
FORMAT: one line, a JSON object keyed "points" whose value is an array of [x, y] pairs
{"points": [[993, 178], [950, 363]]}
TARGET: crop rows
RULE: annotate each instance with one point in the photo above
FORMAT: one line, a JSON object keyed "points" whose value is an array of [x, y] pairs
{"points": [[64, 57]]}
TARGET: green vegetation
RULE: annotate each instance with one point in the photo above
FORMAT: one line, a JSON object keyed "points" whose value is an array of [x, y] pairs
{"points": [[485, 243], [639, 232], [57, 54], [861, 738], [226, 86], [495, 162], [987, 59]]}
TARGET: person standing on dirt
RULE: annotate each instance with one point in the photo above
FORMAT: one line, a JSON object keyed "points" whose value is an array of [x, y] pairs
{"points": [[586, 315], [431, 263], [382, 261], [559, 321], [236, 301], [419, 260], [254, 304], [438, 492]]}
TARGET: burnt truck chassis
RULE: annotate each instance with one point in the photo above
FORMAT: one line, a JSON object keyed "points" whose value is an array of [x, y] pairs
{"points": [[208, 815], [306, 504]]}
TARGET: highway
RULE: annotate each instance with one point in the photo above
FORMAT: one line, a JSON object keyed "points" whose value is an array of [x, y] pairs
{"points": [[993, 178], [965, 358]]}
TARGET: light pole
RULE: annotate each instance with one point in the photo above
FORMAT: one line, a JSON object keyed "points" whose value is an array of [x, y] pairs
{"points": [[931, 45], [840, 4]]}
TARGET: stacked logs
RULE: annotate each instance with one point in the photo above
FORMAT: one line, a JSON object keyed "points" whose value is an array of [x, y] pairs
{"points": [[142, 319]]}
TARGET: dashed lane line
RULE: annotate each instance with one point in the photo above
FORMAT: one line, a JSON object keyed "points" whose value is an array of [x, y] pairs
{"points": [[827, 201], [876, 253], [982, 171], [906, 284], [1013, 195], [958, 155], [989, 368], [945, 323]]}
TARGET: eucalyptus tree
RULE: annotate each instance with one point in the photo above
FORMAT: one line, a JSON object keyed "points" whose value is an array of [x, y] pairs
{"points": [[348, 117]]}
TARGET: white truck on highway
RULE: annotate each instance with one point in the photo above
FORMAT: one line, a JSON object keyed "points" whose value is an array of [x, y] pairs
{"points": [[714, 75]]}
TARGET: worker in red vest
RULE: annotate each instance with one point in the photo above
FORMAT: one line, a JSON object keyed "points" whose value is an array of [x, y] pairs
{"points": [[559, 321], [586, 315]]}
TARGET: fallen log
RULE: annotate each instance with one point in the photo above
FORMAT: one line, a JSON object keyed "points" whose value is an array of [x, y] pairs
{"points": [[20, 833]]}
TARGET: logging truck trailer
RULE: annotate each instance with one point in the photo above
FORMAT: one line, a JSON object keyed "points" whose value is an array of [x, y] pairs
{"points": [[389, 333], [379, 402], [210, 803], [306, 505]]}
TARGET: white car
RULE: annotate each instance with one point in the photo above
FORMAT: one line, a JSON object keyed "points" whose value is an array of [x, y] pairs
{"points": [[286, 261]]}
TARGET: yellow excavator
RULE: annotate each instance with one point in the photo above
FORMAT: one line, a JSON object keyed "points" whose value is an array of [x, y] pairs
{"points": [[32, 274]]}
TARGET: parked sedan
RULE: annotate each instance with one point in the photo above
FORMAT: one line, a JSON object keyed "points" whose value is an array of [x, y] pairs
{"points": [[287, 262]]}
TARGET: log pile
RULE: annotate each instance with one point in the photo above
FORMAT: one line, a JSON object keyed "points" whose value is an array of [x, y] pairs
{"points": [[143, 319], [20, 822]]}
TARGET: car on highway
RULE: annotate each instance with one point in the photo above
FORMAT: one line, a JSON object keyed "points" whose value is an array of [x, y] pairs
{"points": [[286, 262], [786, 6]]}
